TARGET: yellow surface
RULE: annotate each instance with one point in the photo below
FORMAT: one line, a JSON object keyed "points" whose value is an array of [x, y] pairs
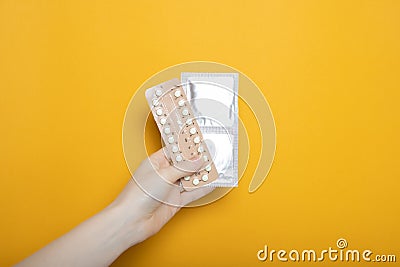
{"points": [[329, 69]]}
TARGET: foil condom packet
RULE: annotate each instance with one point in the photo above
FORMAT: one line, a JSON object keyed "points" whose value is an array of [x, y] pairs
{"points": [[214, 101]]}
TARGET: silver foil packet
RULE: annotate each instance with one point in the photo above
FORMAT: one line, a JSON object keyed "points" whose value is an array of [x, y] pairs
{"points": [[214, 100]]}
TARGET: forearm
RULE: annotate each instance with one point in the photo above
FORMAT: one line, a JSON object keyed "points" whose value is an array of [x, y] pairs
{"points": [[96, 242], [134, 216]]}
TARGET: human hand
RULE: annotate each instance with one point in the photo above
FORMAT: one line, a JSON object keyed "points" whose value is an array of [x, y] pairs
{"points": [[147, 203], [152, 197]]}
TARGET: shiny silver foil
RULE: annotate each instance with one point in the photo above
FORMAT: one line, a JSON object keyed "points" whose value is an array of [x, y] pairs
{"points": [[214, 100]]}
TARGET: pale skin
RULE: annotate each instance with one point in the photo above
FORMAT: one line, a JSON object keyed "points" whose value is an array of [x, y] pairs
{"points": [[131, 218]]}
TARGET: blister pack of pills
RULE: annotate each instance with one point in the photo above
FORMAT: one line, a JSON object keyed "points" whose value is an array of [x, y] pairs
{"points": [[181, 133]]}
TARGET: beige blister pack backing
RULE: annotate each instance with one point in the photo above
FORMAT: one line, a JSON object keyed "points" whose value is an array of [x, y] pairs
{"points": [[180, 132]]}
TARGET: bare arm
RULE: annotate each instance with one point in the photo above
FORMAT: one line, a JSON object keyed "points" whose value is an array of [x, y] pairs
{"points": [[131, 218]]}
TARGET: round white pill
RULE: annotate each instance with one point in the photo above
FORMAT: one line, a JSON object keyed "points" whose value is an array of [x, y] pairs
{"points": [[186, 178], [204, 178], [195, 181], [196, 140], [163, 121], [179, 158], [167, 130], [185, 112], [205, 158], [189, 121], [181, 103], [155, 102], [171, 139], [177, 93], [175, 149], [159, 112], [192, 130], [200, 149], [208, 168], [158, 92]]}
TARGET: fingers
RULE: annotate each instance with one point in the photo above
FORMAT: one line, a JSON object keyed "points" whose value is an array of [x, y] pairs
{"points": [[171, 173]]}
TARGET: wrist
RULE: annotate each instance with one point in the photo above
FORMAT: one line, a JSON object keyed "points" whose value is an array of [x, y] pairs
{"points": [[128, 222]]}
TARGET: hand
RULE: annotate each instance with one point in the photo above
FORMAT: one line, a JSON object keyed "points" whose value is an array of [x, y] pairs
{"points": [[152, 196], [134, 216]]}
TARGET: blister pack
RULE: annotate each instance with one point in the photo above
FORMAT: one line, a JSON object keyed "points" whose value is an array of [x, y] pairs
{"points": [[181, 133]]}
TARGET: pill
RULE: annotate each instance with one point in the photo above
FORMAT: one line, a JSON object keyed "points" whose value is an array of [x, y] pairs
{"points": [[208, 168], [204, 178], [167, 130], [175, 149], [181, 103], [192, 130], [177, 93], [158, 92], [196, 140], [171, 139], [155, 102], [189, 121], [186, 178], [159, 112], [205, 158], [179, 158], [185, 112], [195, 181], [200, 149], [163, 121]]}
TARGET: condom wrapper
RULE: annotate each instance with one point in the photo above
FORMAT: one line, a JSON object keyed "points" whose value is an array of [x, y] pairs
{"points": [[214, 101]]}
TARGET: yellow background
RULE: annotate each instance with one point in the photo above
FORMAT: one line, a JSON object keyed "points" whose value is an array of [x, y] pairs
{"points": [[329, 70]]}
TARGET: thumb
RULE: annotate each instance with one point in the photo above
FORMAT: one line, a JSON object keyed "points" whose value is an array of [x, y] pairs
{"points": [[173, 173]]}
